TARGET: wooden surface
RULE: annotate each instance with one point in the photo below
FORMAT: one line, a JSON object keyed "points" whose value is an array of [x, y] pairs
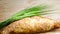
{"points": [[10, 7]]}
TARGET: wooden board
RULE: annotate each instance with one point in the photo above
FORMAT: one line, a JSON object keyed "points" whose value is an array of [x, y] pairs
{"points": [[10, 7]]}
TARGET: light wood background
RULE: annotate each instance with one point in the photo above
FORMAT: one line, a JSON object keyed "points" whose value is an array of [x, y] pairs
{"points": [[10, 7]]}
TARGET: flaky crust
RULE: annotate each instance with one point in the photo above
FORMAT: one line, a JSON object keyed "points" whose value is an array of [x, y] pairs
{"points": [[30, 25]]}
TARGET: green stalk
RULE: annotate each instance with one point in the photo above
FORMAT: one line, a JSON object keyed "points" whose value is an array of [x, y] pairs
{"points": [[34, 11], [35, 8]]}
